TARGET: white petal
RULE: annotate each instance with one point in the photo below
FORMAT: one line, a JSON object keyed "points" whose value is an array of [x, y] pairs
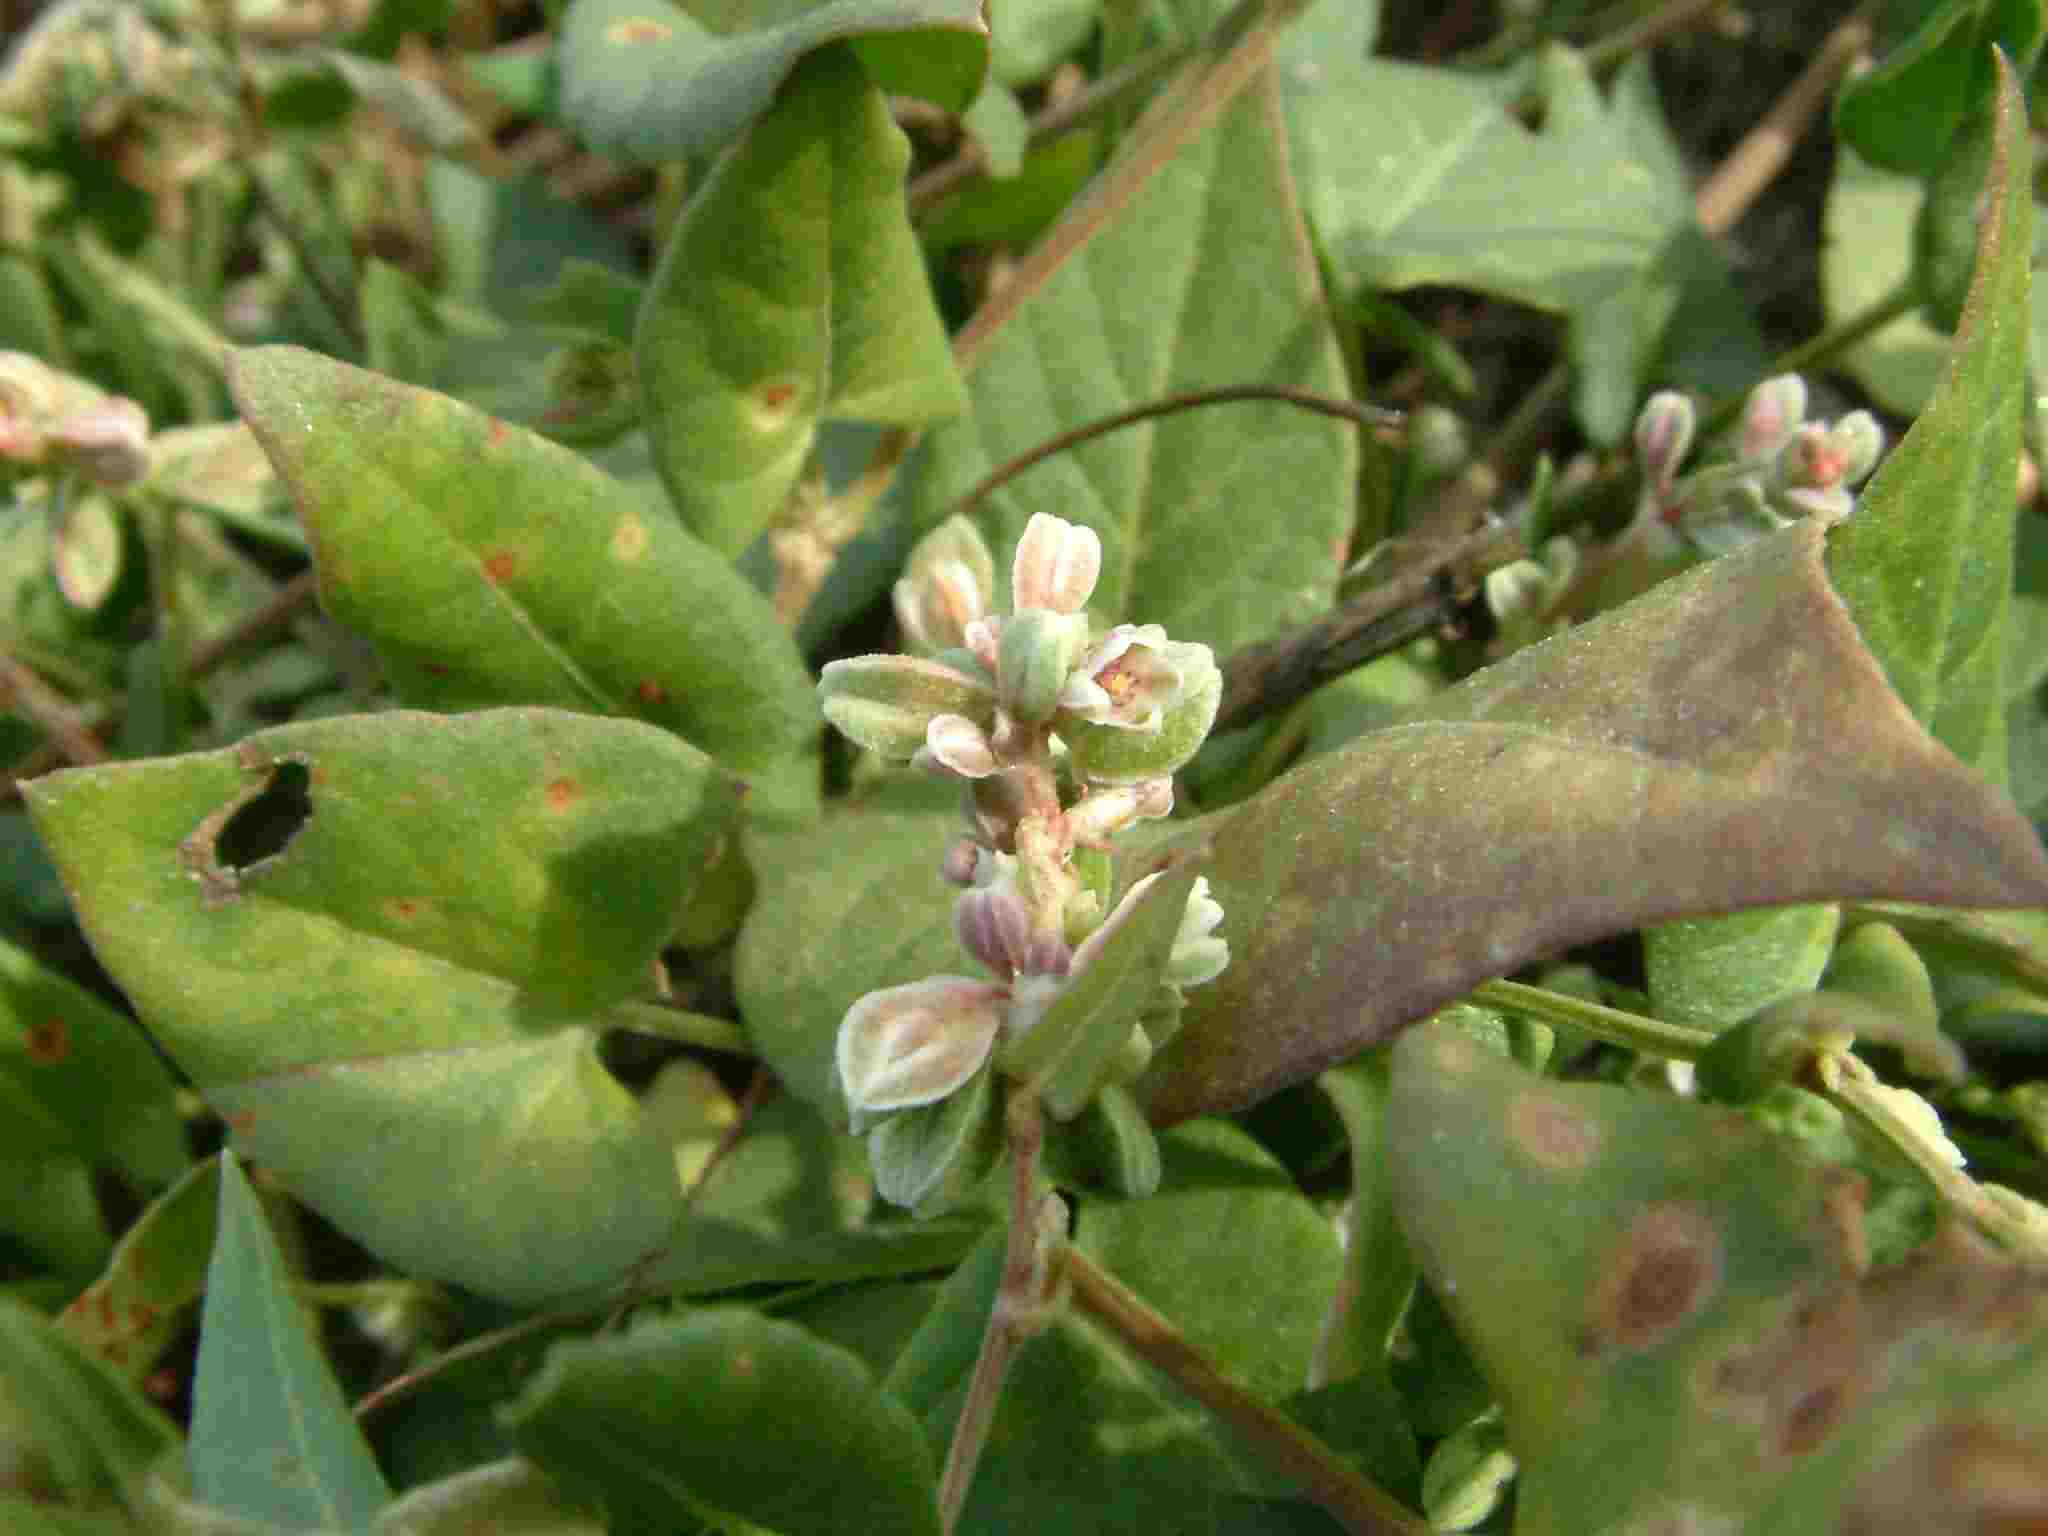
{"points": [[916, 1044], [1056, 566]]}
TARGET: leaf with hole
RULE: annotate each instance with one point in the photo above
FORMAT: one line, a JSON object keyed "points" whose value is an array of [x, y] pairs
{"points": [[378, 944]]}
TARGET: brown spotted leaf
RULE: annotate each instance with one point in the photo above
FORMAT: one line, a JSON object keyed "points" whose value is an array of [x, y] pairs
{"points": [[1673, 1304], [1724, 742]]}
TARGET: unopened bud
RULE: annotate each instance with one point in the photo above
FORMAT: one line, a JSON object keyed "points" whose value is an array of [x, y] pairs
{"points": [[1438, 442], [1105, 811], [1056, 566], [1860, 440], [947, 585], [1664, 435], [1774, 410], [107, 442], [1039, 650]]}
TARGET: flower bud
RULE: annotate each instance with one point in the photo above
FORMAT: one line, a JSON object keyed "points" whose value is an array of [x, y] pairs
{"points": [[994, 925], [1119, 750], [1438, 443], [957, 745], [1859, 440], [1774, 410], [1105, 811], [961, 859], [916, 1044], [888, 704], [1663, 435], [947, 585], [1056, 566], [1039, 649], [107, 442]]}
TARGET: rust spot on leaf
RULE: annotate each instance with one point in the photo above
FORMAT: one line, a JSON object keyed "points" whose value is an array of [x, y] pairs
{"points": [[637, 32], [1812, 1417], [142, 1317], [48, 1042], [630, 539], [498, 432], [105, 1305], [563, 793], [242, 1120], [1664, 1269], [1552, 1135], [743, 1364], [402, 909], [162, 1384], [650, 692], [500, 566]]}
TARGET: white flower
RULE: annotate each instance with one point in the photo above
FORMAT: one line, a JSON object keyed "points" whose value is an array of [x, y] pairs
{"points": [[1056, 566], [1130, 678]]}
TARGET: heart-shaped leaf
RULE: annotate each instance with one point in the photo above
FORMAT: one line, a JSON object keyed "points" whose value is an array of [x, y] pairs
{"points": [[1723, 742], [791, 291], [1187, 274], [384, 924], [646, 79], [490, 566]]}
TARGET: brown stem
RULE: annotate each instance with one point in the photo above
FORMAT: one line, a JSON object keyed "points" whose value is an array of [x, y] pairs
{"points": [[1289, 1449], [1054, 122], [1755, 162], [1019, 1309], [275, 613], [1167, 405], [1423, 594], [22, 689]]}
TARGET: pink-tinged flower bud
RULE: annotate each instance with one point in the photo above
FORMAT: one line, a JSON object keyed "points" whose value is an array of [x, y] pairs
{"points": [[1663, 436], [107, 442], [1774, 410], [888, 704], [957, 745], [960, 861], [1039, 649], [994, 925], [948, 584], [1056, 566], [915, 1044], [1103, 812], [1156, 704]]}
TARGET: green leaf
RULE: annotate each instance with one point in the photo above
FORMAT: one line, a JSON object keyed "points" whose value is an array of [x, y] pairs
{"points": [[375, 986], [272, 1438], [1420, 175], [645, 80], [864, 902], [1674, 1304], [1208, 1249], [728, 1415], [1716, 971], [78, 1078], [512, 1497], [1382, 1269], [67, 1423], [490, 566], [1865, 257], [1090, 1021], [1925, 565], [1723, 742], [136, 1309], [49, 1207], [1028, 37], [1223, 523], [791, 291], [1904, 114]]}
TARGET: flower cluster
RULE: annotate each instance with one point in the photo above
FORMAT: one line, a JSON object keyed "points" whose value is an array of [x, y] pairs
{"points": [[53, 421], [1783, 468], [1061, 738]]}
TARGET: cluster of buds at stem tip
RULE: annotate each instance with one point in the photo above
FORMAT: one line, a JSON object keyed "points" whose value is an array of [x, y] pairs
{"points": [[1784, 467], [53, 421], [1781, 468], [1062, 736]]}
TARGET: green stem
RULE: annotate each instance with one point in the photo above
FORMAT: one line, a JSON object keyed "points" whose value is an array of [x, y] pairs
{"points": [[1613, 1025], [678, 1024], [1331, 1482]]}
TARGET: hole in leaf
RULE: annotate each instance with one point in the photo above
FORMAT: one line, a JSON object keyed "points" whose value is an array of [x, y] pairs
{"points": [[262, 828]]}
